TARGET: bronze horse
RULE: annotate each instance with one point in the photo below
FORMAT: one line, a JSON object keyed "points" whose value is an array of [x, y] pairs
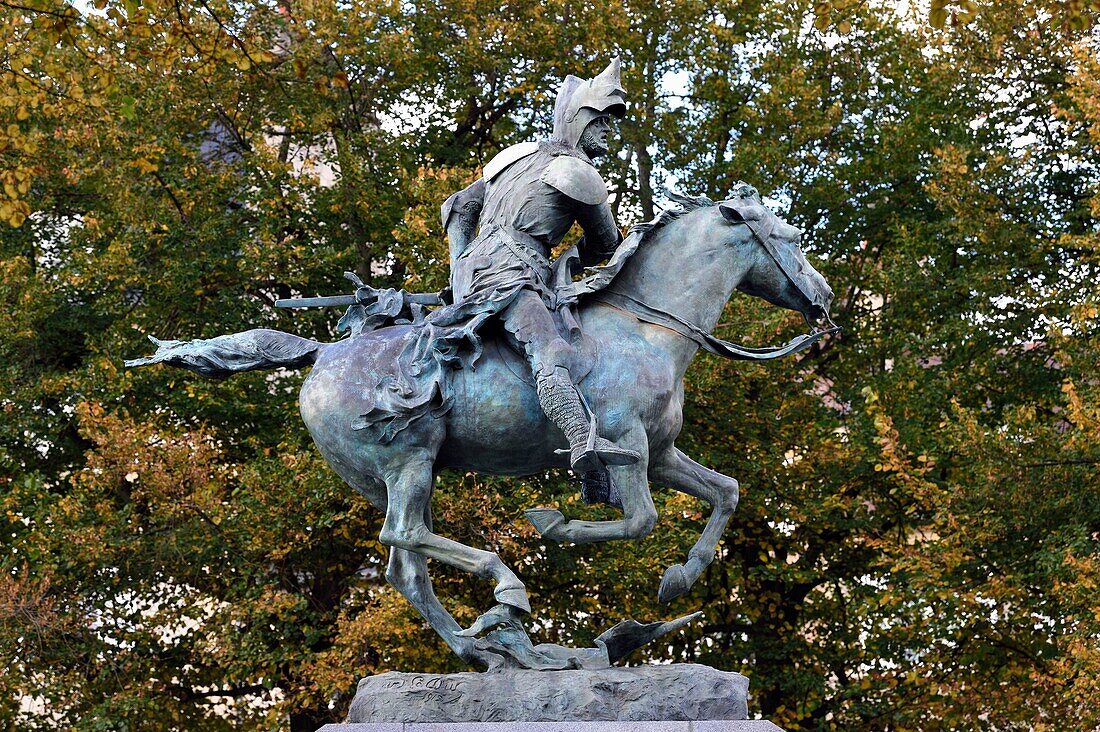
{"points": [[646, 326]]}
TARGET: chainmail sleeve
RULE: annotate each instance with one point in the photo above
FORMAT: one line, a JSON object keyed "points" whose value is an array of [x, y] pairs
{"points": [[601, 234]]}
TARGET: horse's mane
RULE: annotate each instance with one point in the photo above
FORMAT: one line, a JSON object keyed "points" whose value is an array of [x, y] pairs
{"points": [[684, 205], [600, 277]]}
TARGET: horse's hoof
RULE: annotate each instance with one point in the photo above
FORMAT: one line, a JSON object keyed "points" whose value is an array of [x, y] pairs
{"points": [[674, 584], [496, 616], [477, 657], [513, 596], [547, 521]]}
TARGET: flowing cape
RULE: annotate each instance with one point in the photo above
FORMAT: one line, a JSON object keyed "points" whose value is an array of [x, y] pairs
{"points": [[451, 338]]}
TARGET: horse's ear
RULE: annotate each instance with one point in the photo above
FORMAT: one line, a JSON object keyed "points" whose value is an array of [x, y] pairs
{"points": [[740, 214], [731, 214]]}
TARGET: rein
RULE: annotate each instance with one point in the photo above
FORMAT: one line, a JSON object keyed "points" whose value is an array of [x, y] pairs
{"points": [[744, 209], [649, 314]]}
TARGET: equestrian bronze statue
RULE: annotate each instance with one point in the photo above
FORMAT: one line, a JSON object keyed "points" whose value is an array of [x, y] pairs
{"points": [[527, 365]]}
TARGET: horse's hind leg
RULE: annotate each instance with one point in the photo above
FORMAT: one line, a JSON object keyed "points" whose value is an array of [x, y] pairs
{"points": [[408, 572], [676, 470], [409, 488]]}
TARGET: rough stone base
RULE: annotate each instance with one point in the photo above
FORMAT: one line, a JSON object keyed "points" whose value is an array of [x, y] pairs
{"points": [[714, 726], [673, 693]]}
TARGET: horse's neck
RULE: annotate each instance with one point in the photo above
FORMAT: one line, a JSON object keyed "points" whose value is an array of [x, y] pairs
{"points": [[687, 268]]}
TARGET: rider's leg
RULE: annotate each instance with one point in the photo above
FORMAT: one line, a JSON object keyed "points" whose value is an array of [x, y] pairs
{"points": [[528, 321]]}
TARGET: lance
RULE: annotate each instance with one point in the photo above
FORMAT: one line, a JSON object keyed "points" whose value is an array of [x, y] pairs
{"points": [[419, 298]]}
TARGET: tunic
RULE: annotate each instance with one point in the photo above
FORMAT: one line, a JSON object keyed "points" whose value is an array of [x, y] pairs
{"points": [[523, 218]]}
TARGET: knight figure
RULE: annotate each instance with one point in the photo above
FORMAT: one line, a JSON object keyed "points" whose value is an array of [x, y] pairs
{"points": [[529, 197]]}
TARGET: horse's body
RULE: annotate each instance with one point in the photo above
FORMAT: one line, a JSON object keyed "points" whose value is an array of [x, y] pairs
{"points": [[474, 435], [689, 266]]}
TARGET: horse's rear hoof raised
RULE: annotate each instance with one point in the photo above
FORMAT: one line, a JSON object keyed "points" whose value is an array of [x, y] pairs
{"points": [[546, 521]]}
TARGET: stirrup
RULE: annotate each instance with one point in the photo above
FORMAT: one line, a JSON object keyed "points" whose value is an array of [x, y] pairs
{"points": [[598, 453], [597, 487]]}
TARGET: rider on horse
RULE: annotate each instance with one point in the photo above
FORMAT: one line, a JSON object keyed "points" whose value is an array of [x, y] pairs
{"points": [[529, 197]]}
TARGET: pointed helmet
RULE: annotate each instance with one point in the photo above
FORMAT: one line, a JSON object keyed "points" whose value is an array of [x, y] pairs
{"points": [[580, 101]]}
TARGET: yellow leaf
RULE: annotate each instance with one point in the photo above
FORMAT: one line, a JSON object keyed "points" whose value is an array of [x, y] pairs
{"points": [[145, 166]]}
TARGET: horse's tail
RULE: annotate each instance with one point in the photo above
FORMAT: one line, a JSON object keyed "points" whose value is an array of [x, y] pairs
{"points": [[251, 350]]}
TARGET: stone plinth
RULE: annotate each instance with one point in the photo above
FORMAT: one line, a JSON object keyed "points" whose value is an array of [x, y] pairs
{"points": [[713, 726], [673, 693]]}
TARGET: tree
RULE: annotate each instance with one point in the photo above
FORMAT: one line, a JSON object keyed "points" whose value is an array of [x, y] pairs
{"points": [[917, 541]]}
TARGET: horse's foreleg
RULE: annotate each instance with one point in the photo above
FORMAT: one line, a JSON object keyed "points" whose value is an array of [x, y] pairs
{"points": [[409, 490], [676, 470], [639, 514]]}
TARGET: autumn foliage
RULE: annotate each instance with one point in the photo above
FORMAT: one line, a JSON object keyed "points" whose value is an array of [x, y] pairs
{"points": [[918, 541]]}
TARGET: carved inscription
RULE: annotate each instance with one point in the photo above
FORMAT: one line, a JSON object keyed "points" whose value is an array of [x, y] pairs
{"points": [[673, 692]]}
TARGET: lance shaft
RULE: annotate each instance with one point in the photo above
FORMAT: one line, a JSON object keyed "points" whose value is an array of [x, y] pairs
{"points": [[419, 298]]}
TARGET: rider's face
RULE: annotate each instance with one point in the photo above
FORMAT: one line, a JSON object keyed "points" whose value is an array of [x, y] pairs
{"points": [[594, 138]]}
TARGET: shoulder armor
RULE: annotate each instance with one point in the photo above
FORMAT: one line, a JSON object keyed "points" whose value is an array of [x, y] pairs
{"points": [[469, 199], [576, 179], [507, 156]]}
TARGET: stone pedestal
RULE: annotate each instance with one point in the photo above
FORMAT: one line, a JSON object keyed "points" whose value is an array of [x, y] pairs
{"points": [[682, 693], [714, 726]]}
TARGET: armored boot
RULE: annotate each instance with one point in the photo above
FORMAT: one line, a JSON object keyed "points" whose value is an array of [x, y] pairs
{"points": [[562, 404]]}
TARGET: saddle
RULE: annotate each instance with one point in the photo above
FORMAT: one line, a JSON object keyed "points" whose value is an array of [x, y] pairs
{"points": [[564, 315], [421, 383]]}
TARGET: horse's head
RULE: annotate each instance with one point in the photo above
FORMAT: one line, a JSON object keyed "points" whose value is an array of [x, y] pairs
{"points": [[777, 269], [689, 260]]}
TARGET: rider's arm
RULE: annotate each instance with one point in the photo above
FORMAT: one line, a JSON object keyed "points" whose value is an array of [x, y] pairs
{"points": [[601, 234], [582, 185], [461, 213]]}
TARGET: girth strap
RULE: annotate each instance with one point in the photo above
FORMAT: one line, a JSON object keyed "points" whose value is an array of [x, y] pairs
{"points": [[706, 341]]}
